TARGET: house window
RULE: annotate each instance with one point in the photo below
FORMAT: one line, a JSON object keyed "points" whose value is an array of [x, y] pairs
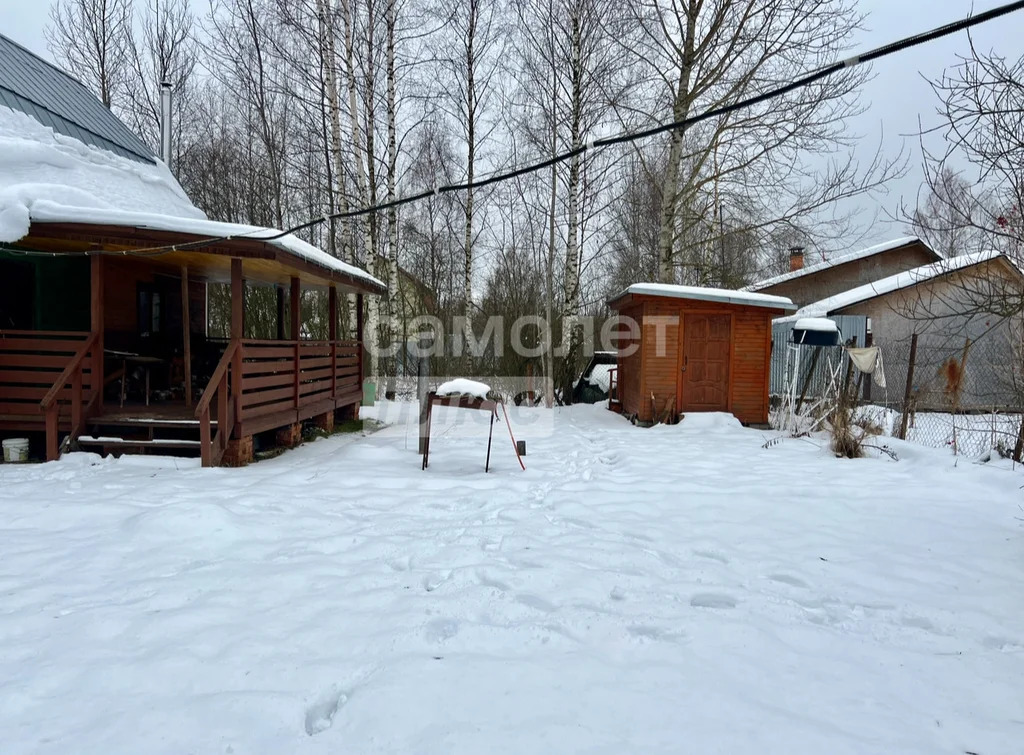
{"points": [[150, 315]]}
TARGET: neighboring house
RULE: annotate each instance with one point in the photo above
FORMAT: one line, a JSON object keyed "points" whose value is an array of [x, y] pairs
{"points": [[945, 303], [104, 265], [414, 299], [812, 280]]}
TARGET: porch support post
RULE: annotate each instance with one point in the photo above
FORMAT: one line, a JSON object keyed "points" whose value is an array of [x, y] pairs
{"points": [[332, 313], [186, 328], [237, 331], [332, 336], [280, 311], [359, 336], [237, 299], [295, 302], [96, 325]]}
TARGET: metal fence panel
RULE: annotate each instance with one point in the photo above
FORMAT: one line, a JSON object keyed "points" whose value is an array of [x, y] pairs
{"points": [[849, 326]]}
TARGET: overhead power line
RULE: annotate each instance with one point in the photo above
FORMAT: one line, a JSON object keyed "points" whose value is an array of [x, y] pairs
{"points": [[822, 73]]}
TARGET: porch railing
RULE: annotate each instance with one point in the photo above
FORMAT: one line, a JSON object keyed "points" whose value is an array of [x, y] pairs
{"points": [[260, 385], [219, 389], [47, 381], [304, 377]]}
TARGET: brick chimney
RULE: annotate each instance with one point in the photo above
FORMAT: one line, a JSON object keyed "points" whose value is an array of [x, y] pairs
{"points": [[796, 258]]}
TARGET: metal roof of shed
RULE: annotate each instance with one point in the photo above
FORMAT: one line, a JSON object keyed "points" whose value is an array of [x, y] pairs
{"points": [[57, 100]]}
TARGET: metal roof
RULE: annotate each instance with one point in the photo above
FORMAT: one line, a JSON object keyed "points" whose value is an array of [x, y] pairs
{"points": [[31, 85]]}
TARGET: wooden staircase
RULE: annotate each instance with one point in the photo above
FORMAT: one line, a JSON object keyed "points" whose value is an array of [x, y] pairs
{"points": [[136, 433]]}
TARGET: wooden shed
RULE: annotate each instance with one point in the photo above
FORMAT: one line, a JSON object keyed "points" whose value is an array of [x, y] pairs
{"points": [[695, 350]]}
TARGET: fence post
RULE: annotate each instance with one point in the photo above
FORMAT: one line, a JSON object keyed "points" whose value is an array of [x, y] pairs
{"points": [[807, 380], [869, 341], [1018, 449], [422, 373], [907, 388], [849, 371]]}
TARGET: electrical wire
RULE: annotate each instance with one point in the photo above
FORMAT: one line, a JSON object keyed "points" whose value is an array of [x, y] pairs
{"points": [[877, 53]]}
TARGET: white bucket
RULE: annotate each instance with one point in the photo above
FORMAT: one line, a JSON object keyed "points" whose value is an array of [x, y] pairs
{"points": [[15, 449]]}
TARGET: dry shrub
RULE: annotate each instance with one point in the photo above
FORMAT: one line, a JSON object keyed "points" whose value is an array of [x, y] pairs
{"points": [[847, 435], [868, 425]]}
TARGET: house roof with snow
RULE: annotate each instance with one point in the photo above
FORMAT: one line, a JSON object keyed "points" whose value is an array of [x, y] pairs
{"points": [[898, 282], [720, 295], [35, 87], [77, 166], [841, 259]]}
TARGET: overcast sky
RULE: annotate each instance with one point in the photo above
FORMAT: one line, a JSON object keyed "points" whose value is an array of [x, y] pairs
{"points": [[895, 99]]}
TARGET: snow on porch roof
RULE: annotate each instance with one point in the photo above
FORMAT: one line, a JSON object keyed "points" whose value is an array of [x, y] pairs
{"points": [[49, 212], [50, 177], [724, 295]]}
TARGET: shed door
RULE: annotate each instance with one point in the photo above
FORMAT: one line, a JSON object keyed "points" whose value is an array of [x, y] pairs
{"points": [[706, 348]]}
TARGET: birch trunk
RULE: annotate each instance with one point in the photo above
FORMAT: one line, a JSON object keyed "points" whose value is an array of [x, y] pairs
{"points": [[334, 117], [549, 352], [394, 296], [571, 299], [360, 237], [670, 187], [467, 279]]}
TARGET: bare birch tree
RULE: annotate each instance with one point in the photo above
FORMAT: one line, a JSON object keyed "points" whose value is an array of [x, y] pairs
{"points": [[91, 39], [704, 54], [469, 54], [167, 51]]}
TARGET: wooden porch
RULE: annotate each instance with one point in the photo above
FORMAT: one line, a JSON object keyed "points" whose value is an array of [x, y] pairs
{"points": [[64, 384]]}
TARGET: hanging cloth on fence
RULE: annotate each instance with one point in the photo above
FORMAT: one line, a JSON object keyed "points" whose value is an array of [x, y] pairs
{"points": [[869, 360]]}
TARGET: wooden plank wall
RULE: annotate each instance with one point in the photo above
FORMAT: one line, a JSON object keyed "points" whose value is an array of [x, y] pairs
{"points": [[630, 371], [750, 361], [121, 282], [661, 370]]}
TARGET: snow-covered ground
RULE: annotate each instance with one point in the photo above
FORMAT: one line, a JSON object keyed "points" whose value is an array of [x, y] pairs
{"points": [[676, 589]]}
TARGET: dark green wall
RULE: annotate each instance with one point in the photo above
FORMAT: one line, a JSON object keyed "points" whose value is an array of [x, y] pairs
{"points": [[61, 290]]}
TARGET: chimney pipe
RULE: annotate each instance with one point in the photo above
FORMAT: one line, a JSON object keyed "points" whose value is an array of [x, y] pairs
{"points": [[165, 122], [796, 258]]}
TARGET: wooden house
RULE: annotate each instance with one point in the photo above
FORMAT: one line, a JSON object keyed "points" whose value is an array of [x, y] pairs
{"points": [[105, 268], [811, 278], [694, 350]]}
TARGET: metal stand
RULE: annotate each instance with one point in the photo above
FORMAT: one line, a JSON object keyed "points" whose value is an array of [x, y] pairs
{"points": [[461, 402]]}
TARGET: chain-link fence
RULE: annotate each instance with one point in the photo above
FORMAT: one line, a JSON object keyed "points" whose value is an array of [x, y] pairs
{"points": [[945, 392]]}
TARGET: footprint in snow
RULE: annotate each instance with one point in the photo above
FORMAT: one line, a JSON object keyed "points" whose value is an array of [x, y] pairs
{"points": [[711, 556], [713, 600], [432, 581], [536, 602], [320, 715], [1001, 643], [440, 630], [788, 579], [917, 622], [487, 581]]}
